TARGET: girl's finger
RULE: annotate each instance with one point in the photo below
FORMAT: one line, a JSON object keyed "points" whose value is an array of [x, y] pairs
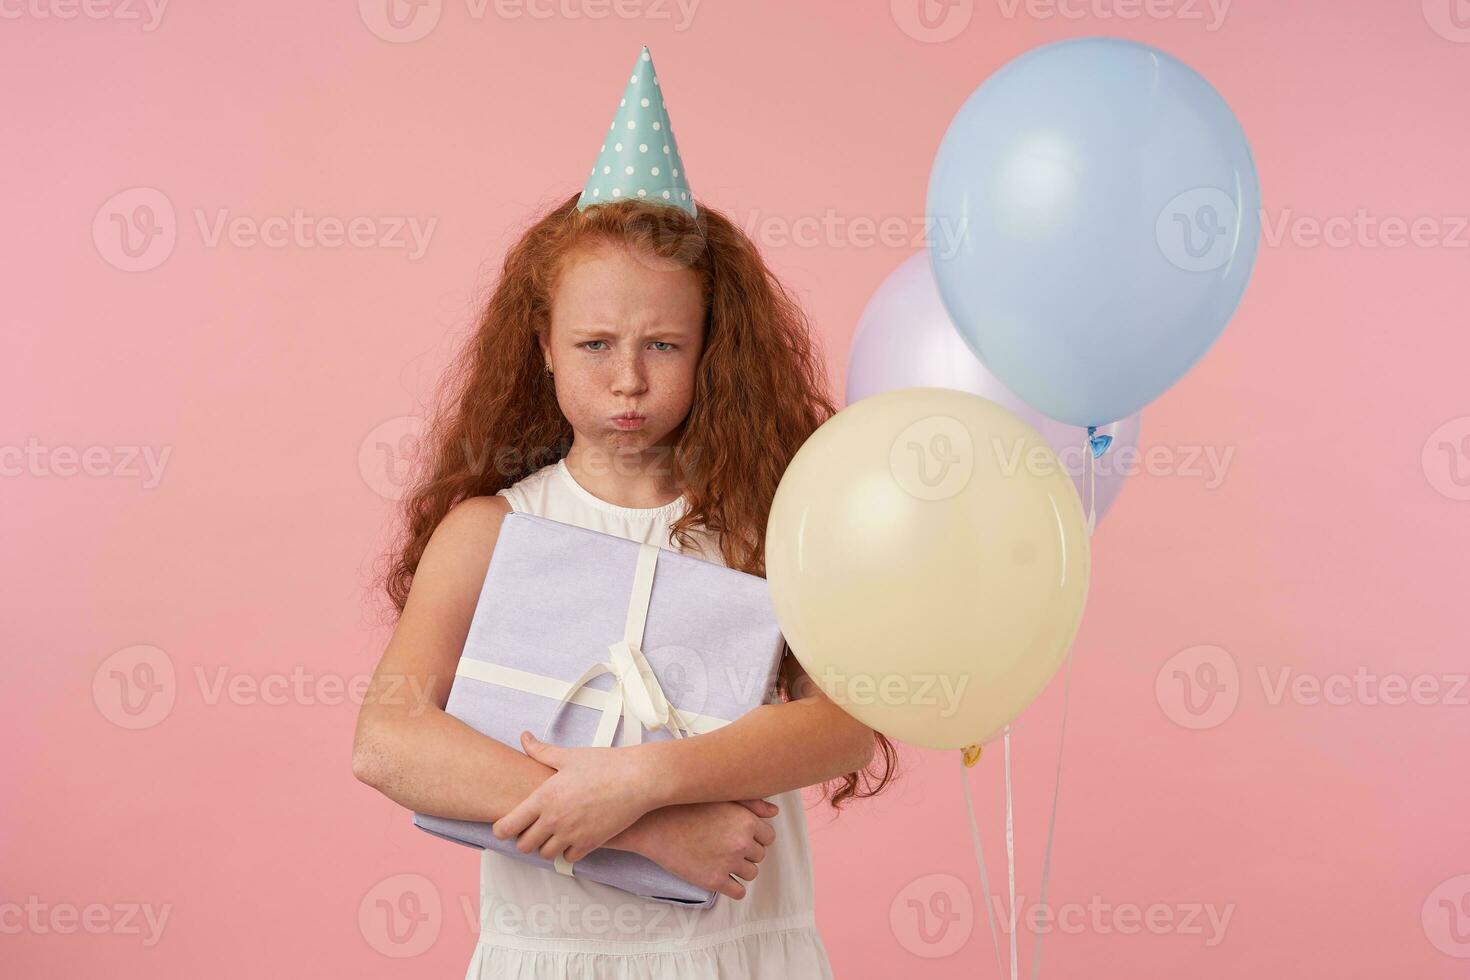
{"points": [[748, 870], [534, 836], [732, 887], [518, 819], [765, 834], [761, 808], [553, 847], [755, 852]]}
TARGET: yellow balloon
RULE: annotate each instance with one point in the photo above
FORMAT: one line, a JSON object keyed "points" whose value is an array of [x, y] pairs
{"points": [[928, 560]]}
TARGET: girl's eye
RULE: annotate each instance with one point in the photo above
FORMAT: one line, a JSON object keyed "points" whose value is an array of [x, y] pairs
{"points": [[587, 344]]}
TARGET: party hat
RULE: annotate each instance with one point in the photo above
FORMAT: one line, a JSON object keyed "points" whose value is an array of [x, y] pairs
{"points": [[640, 158]]}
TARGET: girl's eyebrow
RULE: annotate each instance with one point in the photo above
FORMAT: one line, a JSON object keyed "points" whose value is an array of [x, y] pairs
{"points": [[657, 333]]}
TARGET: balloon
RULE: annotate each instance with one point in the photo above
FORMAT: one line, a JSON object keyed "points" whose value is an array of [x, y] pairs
{"points": [[905, 339], [928, 563], [1103, 216]]}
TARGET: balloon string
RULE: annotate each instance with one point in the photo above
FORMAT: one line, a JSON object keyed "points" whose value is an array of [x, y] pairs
{"points": [[1011, 853], [1051, 830], [980, 859], [1094, 446], [1087, 461]]}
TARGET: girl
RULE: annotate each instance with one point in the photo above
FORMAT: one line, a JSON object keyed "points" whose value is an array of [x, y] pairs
{"points": [[638, 371]]}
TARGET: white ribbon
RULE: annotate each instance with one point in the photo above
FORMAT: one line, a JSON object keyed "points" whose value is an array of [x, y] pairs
{"points": [[636, 696]]}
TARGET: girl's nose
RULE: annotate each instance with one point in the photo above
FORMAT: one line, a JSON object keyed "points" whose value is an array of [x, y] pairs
{"points": [[630, 377]]}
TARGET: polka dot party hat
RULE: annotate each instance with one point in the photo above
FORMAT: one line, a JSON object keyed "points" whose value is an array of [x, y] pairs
{"points": [[640, 157]]}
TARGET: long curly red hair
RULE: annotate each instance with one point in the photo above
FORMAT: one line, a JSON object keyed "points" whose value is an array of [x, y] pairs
{"points": [[760, 390]]}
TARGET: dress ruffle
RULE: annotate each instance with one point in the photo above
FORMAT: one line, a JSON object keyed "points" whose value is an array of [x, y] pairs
{"points": [[782, 954]]}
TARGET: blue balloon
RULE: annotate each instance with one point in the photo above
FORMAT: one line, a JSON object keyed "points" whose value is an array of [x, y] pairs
{"points": [[1097, 215]]}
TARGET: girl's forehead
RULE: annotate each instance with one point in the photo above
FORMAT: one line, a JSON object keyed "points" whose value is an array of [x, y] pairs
{"points": [[614, 287], [599, 255]]}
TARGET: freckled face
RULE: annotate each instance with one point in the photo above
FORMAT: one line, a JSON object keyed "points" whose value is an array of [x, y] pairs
{"points": [[624, 337]]}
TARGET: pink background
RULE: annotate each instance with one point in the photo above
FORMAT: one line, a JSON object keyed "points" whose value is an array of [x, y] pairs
{"points": [[282, 383]]}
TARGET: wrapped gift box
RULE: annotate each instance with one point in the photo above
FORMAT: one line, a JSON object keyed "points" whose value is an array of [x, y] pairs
{"points": [[586, 638]]}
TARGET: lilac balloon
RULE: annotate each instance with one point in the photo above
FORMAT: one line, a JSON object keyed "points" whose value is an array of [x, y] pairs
{"points": [[905, 339]]}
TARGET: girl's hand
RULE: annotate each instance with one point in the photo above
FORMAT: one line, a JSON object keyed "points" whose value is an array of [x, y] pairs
{"points": [[705, 843], [595, 794]]}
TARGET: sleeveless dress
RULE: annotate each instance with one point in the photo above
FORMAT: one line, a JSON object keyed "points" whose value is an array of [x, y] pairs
{"points": [[537, 924]]}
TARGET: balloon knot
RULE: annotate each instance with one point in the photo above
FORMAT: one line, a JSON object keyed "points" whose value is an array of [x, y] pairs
{"points": [[1098, 443]]}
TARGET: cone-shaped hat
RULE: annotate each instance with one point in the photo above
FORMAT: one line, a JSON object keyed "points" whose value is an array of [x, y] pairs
{"points": [[639, 157]]}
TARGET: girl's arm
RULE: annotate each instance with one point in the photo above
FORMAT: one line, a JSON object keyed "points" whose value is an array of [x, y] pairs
{"points": [[769, 750], [773, 748]]}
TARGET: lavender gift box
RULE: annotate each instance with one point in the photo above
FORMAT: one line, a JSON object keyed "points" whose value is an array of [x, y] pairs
{"points": [[576, 630]]}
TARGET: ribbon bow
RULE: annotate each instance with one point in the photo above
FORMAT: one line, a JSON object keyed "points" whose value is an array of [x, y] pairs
{"points": [[636, 696]]}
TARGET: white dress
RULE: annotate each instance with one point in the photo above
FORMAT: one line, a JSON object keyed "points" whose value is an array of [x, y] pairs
{"points": [[536, 923]]}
